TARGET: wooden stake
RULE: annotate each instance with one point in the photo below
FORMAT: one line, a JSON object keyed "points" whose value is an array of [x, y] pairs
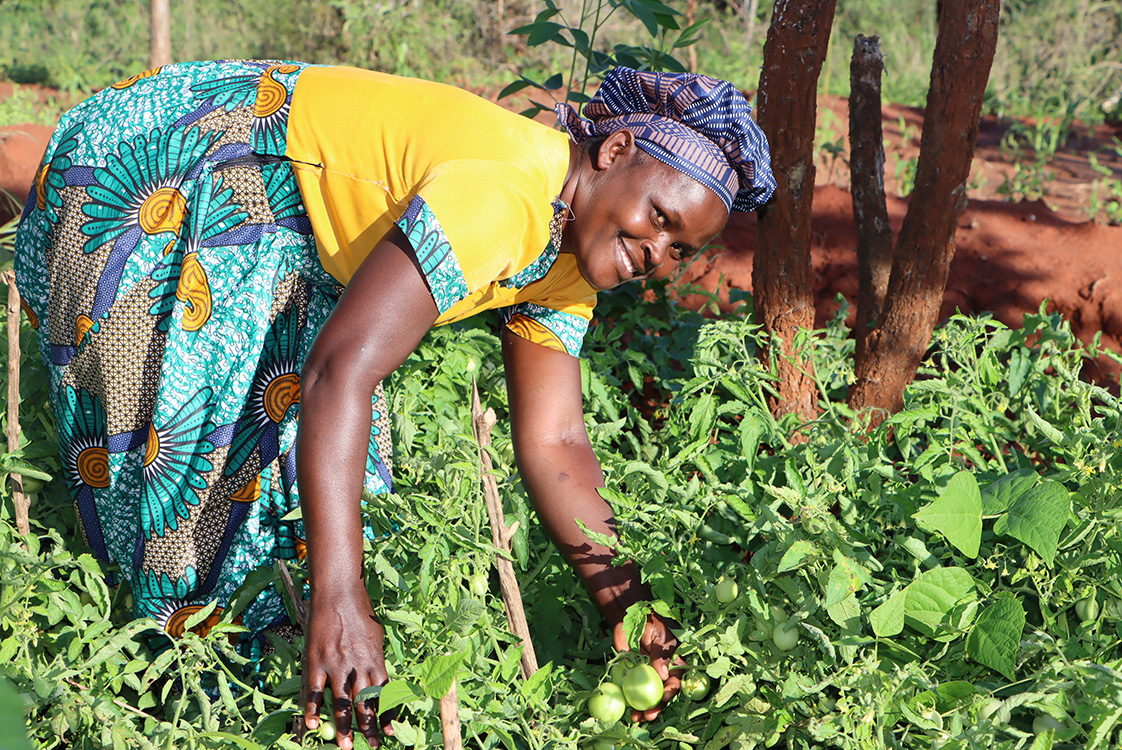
{"points": [[482, 423], [450, 720], [21, 501], [300, 607]]}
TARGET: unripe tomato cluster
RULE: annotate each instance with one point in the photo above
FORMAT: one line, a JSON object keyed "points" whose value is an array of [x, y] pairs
{"points": [[638, 687]]}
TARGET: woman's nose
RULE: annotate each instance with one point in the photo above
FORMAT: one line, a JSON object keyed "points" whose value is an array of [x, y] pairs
{"points": [[655, 252]]}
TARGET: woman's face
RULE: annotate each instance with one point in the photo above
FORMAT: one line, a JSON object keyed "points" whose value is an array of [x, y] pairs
{"points": [[635, 217]]}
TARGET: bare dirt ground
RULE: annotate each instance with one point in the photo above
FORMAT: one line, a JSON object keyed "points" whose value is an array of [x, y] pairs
{"points": [[1011, 255]]}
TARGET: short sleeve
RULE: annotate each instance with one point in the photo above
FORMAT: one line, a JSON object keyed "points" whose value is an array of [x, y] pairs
{"points": [[434, 255], [555, 329], [555, 310], [473, 222]]}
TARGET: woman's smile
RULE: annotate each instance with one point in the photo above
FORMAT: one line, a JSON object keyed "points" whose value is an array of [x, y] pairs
{"points": [[628, 267]]}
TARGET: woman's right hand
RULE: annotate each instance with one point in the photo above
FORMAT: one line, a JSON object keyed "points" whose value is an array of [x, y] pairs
{"points": [[343, 652]]}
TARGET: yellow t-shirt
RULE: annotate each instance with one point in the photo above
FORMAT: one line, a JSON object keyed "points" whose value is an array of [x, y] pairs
{"points": [[469, 183]]}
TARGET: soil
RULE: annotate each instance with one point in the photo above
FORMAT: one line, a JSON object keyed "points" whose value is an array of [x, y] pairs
{"points": [[1011, 256]]}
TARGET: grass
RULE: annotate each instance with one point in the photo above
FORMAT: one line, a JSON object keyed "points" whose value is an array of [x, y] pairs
{"points": [[1053, 56]]}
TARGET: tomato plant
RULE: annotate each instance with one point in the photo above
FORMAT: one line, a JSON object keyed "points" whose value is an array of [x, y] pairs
{"points": [[696, 685], [1087, 608], [642, 687], [1041, 723], [785, 636], [607, 704], [726, 590], [326, 728]]}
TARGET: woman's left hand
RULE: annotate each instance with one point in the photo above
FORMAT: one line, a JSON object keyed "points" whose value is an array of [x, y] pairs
{"points": [[658, 644]]}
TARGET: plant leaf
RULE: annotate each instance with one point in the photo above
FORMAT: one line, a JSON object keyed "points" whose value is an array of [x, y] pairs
{"points": [[888, 619], [1037, 518], [956, 514], [995, 639], [932, 596], [13, 729], [438, 672], [1005, 491], [799, 550]]}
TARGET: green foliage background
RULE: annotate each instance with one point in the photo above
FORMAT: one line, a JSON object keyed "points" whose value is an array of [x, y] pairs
{"points": [[1054, 56], [953, 575]]}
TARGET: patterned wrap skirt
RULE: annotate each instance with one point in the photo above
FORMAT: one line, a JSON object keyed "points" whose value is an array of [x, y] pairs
{"points": [[168, 264]]}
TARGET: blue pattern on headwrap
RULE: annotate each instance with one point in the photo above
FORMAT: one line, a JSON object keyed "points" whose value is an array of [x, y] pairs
{"points": [[699, 125]]}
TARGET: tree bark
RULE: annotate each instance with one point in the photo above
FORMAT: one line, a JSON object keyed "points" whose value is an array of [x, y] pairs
{"points": [[963, 56], [866, 168], [793, 55], [159, 42]]}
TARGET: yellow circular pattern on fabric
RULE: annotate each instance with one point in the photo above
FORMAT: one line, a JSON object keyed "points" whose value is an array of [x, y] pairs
{"points": [[139, 76], [194, 289], [41, 187], [280, 394], [82, 325], [93, 467], [32, 318], [152, 447], [270, 96], [175, 624], [162, 211], [249, 493]]}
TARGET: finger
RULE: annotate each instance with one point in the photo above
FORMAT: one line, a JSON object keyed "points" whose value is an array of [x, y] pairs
{"points": [[619, 639], [387, 720], [314, 698], [343, 709], [365, 714]]}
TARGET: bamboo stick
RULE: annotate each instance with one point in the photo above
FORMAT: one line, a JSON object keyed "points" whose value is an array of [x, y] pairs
{"points": [[450, 720], [19, 498], [482, 423]]}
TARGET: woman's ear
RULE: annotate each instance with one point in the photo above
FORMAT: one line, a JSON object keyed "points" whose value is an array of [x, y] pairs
{"points": [[616, 146]]}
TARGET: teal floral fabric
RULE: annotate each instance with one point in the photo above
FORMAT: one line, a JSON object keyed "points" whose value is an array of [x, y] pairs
{"points": [[170, 268]]}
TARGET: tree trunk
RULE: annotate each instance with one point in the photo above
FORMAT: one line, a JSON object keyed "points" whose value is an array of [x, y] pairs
{"points": [[793, 55], [866, 168], [963, 55], [159, 42]]}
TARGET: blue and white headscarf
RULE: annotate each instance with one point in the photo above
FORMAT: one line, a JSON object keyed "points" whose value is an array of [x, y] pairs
{"points": [[699, 125]]}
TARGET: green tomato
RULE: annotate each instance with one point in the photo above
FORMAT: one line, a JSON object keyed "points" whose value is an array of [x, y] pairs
{"points": [[761, 632], [778, 614], [607, 704], [327, 728], [33, 484], [785, 636], [599, 744], [1043, 722], [478, 585], [642, 687], [726, 590], [988, 709], [696, 685], [618, 672], [1088, 608]]}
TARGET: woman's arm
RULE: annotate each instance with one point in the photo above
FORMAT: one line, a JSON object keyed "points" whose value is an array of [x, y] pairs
{"points": [[562, 474], [384, 313]]}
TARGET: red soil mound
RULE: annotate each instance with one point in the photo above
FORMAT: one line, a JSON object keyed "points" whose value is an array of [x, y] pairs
{"points": [[1010, 255]]}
